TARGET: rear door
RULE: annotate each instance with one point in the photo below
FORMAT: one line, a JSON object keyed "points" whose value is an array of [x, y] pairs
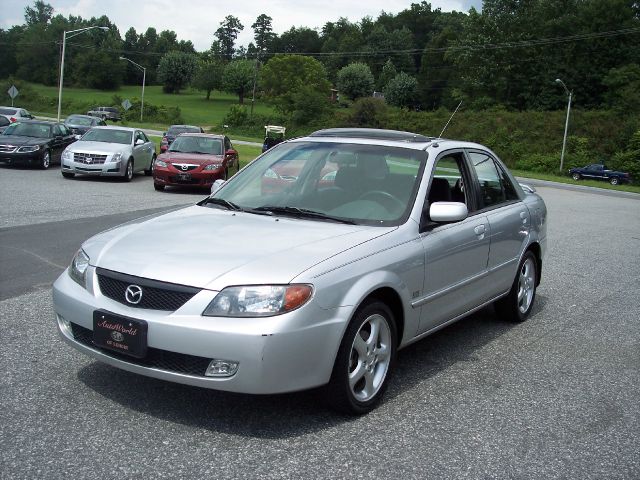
{"points": [[143, 150]]}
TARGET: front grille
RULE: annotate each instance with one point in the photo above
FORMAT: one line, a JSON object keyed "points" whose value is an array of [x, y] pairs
{"points": [[7, 148], [181, 167], [156, 358], [155, 295], [89, 158]]}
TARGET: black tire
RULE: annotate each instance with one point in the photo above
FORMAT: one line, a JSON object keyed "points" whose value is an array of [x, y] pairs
{"points": [[68, 174], [517, 305], [150, 171], [158, 187], [128, 173], [45, 161], [614, 180], [373, 367], [576, 176]]}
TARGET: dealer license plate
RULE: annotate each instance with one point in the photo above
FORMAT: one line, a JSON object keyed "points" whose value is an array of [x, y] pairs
{"points": [[120, 334]]}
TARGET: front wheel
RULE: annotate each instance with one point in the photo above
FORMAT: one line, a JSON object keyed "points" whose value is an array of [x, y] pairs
{"points": [[576, 176], [365, 358], [45, 161], [517, 305], [614, 180], [128, 173]]}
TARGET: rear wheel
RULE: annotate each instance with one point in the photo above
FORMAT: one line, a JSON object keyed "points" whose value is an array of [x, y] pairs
{"points": [[45, 161], [517, 305], [614, 180], [576, 176], [128, 173], [365, 357], [150, 171], [68, 174]]}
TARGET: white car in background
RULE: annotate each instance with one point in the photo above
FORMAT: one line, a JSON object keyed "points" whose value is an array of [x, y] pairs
{"points": [[14, 114], [110, 151]]}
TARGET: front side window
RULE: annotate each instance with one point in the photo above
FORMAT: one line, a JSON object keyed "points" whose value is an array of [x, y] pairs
{"points": [[364, 184]]}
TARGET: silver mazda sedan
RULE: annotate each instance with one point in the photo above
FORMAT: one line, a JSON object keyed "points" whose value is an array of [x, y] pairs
{"points": [[312, 266]]}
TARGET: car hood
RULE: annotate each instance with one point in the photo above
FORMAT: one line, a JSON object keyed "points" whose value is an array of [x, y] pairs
{"points": [[212, 248], [19, 140], [84, 146], [196, 158]]}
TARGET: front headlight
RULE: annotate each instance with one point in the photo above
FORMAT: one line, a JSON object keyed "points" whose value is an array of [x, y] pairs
{"points": [[67, 155], [29, 148], [116, 157], [78, 268], [213, 166], [160, 163], [258, 300]]}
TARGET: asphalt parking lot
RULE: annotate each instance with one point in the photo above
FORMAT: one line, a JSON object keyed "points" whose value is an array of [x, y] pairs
{"points": [[554, 397]]}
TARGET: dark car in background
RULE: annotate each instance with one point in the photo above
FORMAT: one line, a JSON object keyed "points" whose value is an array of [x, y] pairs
{"points": [[173, 131], [81, 124], [34, 142], [598, 171], [105, 113], [196, 160]]}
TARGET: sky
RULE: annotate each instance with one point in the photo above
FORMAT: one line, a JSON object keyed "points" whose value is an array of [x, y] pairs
{"points": [[197, 20]]}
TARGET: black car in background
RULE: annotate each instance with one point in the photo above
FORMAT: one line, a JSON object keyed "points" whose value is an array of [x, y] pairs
{"points": [[173, 131], [597, 171], [34, 142], [80, 124]]}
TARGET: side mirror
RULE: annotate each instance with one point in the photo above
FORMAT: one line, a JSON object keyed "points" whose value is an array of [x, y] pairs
{"points": [[77, 137], [230, 152], [139, 141], [446, 212], [528, 188], [217, 185]]}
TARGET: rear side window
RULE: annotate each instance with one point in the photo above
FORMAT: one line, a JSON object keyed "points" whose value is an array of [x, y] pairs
{"points": [[491, 189]]}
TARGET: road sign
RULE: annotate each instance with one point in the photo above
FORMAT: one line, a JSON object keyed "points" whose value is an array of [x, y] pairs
{"points": [[13, 93], [126, 104]]}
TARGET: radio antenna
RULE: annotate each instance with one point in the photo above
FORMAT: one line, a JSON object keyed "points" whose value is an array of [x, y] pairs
{"points": [[447, 124]]}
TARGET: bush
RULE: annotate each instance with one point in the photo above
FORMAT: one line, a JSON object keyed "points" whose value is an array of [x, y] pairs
{"points": [[236, 116], [368, 112]]}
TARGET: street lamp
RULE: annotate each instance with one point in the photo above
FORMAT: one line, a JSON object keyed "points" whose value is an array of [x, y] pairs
{"points": [[64, 44], [144, 77], [566, 123]]}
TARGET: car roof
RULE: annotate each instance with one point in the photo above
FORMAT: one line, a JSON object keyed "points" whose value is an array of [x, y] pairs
{"points": [[114, 127], [82, 116], [45, 122], [206, 135], [183, 126]]}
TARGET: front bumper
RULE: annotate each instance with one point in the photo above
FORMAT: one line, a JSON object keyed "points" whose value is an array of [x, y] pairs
{"points": [[290, 352], [30, 158], [197, 178], [111, 169]]}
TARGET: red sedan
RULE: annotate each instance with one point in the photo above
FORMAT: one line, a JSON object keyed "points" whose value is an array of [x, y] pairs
{"points": [[195, 160]]}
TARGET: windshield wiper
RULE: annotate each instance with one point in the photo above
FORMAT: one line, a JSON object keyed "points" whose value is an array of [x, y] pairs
{"points": [[302, 213], [221, 202]]}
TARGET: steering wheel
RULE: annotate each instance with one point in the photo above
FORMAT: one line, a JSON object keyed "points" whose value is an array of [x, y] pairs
{"points": [[385, 199]]}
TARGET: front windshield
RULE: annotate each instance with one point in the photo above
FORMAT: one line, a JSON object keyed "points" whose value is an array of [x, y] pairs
{"points": [[84, 121], [37, 130], [367, 184], [108, 136], [202, 145]]}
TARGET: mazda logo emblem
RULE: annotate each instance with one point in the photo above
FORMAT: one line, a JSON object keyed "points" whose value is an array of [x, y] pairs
{"points": [[184, 167], [133, 294], [117, 336]]}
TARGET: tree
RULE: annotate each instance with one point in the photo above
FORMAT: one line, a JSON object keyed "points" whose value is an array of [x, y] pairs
{"points": [[401, 91], [285, 79], [388, 72], [227, 35], [298, 40], [41, 13], [355, 81], [208, 76], [238, 78], [175, 71], [623, 86], [263, 32]]}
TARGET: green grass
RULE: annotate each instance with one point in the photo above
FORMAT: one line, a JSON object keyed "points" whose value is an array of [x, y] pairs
{"points": [[571, 181], [195, 108]]}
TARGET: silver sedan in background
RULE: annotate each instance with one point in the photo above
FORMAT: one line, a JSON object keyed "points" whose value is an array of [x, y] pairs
{"points": [[312, 266], [110, 151]]}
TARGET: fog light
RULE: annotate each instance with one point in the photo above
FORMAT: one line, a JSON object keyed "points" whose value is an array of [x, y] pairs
{"points": [[65, 326], [221, 368]]}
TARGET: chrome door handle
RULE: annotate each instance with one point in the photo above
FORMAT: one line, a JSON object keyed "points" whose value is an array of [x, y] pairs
{"points": [[479, 230], [523, 216]]}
